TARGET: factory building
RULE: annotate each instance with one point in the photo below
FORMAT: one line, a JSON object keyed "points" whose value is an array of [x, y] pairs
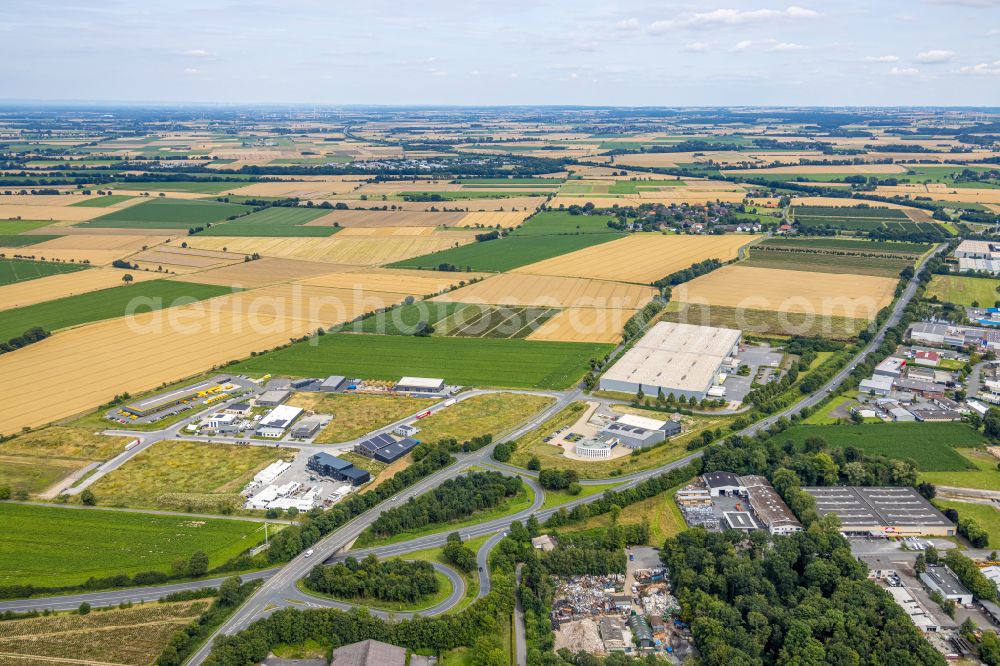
{"points": [[384, 448], [768, 506], [273, 398], [420, 385], [276, 422], [307, 427], [943, 580], [682, 359], [638, 432], [325, 464], [881, 511], [332, 383], [721, 484]]}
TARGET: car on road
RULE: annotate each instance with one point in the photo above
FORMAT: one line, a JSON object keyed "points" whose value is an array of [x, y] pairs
{"points": [[309, 553]]}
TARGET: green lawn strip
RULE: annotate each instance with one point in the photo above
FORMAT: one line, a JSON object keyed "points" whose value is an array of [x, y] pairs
{"points": [[859, 245], [104, 304], [103, 201], [22, 270], [931, 445], [425, 603], [167, 213], [58, 546], [984, 476], [827, 263], [267, 230], [554, 498], [7, 240], [463, 361], [962, 290], [507, 253], [281, 216], [823, 416], [11, 227], [471, 577], [34, 474], [984, 514], [512, 505]]}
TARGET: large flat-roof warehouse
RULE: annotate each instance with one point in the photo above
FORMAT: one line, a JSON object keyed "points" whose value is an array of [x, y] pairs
{"points": [[881, 510], [682, 359]]}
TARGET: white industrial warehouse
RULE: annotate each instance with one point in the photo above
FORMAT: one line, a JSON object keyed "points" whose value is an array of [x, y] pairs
{"points": [[682, 359]]}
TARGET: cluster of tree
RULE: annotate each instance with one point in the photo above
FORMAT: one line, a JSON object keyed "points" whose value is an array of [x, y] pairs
{"points": [[689, 273], [455, 498], [558, 479], [371, 578], [458, 554], [292, 540], [974, 532], [31, 336], [802, 599], [614, 500], [471, 444], [593, 553], [484, 617], [813, 462], [231, 594], [504, 451], [488, 236], [636, 324], [121, 263]]}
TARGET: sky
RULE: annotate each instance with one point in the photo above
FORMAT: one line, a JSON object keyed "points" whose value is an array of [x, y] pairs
{"points": [[516, 52]]}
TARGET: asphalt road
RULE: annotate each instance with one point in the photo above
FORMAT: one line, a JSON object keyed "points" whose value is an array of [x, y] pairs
{"points": [[280, 588]]}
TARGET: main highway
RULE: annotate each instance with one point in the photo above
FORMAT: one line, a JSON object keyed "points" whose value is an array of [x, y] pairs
{"points": [[280, 587]]}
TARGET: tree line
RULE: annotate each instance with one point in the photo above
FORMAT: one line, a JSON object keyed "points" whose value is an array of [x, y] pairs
{"points": [[371, 578], [455, 498]]}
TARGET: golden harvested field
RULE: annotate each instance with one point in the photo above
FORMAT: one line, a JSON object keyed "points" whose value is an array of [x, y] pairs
{"points": [[383, 232], [395, 186], [35, 212], [304, 190], [549, 291], [260, 272], [417, 283], [67, 284], [182, 260], [119, 637], [370, 219], [121, 243], [309, 304], [833, 168], [94, 257], [834, 201], [41, 199], [585, 325], [642, 258], [516, 203], [684, 195], [493, 218], [42, 382], [944, 194], [855, 296], [356, 251]]}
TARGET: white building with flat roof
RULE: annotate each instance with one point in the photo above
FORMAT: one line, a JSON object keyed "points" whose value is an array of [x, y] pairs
{"points": [[420, 385], [276, 422], [671, 357]]}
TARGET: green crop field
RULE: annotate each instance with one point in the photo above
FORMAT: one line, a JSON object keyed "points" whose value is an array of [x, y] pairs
{"points": [[20, 226], [931, 445], [551, 223], [274, 221], [850, 211], [167, 214], [765, 322], [8, 240], [104, 304], [507, 253], [636, 186], [405, 319], [54, 546], [21, 270], [103, 201], [464, 361], [485, 321], [470, 194], [198, 187], [826, 263], [514, 182], [853, 245], [964, 290]]}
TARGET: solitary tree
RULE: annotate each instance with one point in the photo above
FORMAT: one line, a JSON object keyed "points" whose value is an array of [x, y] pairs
{"points": [[127, 278]]}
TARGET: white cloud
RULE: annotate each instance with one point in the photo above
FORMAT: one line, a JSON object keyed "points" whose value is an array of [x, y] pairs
{"points": [[743, 46], [935, 56], [696, 47], [787, 46], [193, 71], [983, 69], [978, 4], [198, 53], [513, 75], [437, 72], [904, 71], [885, 58], [730, 17], [627, 24]]}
